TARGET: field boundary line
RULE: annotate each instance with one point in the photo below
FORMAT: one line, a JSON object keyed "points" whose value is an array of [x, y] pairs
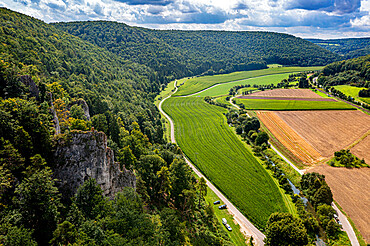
{"points": [[244, 223], [357, 141]]}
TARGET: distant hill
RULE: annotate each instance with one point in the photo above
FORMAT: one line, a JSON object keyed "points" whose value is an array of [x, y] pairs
{"points": [[354, 72], [175, 54], [106, 81], [348, 48]]}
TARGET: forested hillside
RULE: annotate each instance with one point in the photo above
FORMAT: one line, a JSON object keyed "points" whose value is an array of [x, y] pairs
{"points": [[348, 47], [175, 54], [46, 76], [354, 72]]}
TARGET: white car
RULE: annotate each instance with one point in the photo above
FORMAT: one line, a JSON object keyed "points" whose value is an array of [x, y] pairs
{"points": [[224, 221], [228, 227]]}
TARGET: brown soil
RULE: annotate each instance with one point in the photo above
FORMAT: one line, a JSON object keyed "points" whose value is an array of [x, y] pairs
{"points": [[289, 138], [300, 93], [362, 149], [351, 189], [328, 131], [288, 98]]}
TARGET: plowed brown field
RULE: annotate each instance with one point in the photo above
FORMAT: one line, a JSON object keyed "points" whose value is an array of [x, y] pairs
{"points": [[289, 138], [328, 131], [362, 149], [298, 93], [351, 189]]}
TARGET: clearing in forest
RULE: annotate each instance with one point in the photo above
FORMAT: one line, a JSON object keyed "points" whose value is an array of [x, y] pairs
{"points": [[203, 134], [350, 187]]}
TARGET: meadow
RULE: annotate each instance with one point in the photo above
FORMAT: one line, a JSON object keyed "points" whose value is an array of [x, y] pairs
{"points": [[282, 105], [353, 92], [222, 100], [223, 89], [203, 134], [196, 84]]}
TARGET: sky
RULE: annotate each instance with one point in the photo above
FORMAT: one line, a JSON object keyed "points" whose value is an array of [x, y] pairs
{"points": [[323, 19]]}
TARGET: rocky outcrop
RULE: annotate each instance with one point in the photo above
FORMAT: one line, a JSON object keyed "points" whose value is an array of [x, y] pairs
{"points": [[28, 81], [82, 103], [83, 155], [52, 111]]}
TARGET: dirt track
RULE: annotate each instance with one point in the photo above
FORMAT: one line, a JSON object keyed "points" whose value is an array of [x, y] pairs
{"points": [[351, 189], [362, 149]]}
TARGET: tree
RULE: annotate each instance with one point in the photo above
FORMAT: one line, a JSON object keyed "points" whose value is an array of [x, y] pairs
{"points": [[65, 234], [77, 112], [38, 202], [100, 123], [262, 137], [323, 195], [202, 188], [181, 179], [89, 199], [284, 229]]}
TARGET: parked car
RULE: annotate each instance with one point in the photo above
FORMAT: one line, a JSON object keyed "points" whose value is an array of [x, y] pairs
{"points": [[228, 227], [216, 202], [224, 221], [222, 206]]}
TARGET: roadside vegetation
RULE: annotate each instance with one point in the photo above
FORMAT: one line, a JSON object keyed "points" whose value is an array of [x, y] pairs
{"points": [[353, 92]]}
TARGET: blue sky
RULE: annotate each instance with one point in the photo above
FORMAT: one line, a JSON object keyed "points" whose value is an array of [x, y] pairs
{"points": [[303, 18]]}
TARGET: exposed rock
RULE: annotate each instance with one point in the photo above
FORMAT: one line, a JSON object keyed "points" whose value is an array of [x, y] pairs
{"points": [[55, 117], [82, 103], [83, 155], [28, 81]]}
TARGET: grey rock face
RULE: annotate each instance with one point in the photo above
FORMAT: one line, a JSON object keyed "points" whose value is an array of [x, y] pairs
{"points": [[55, 117], [81, 102], [85, 155]]}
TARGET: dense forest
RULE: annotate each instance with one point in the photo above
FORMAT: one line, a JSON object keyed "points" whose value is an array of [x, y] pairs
{"points": [[47, 74], [175, 54], [355, 72], [348, 48]]}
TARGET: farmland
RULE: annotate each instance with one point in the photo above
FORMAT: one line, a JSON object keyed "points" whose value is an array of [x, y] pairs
{"points": [[199, 83], [327, 131], [223, 89], [289, 138], [283, 105], [291, 93], [204, 136], [361, 149], [350, 188], [353, 92]]}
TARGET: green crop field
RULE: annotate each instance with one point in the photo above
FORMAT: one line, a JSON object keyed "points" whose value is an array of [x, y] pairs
{"points": [[269, 104], [203, 134], [199, 83], [223, 89], [353, 92]]}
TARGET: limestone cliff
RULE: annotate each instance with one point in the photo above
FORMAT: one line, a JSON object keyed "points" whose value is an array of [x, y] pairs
{"points": [[83, 155]]}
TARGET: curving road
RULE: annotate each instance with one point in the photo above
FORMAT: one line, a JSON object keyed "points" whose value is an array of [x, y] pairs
{"points": [[244, 223]]}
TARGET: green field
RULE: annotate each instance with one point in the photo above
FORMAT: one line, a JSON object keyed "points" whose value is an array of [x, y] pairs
{"points": [[199, 83], [353, 92], [203, 134], [223, 89], [269, 104], [222, 100]]}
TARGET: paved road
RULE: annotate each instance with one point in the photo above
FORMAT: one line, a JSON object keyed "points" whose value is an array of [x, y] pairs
{"points": [[244, 223]]}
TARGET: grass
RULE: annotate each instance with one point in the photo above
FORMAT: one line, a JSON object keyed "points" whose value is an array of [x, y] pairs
{"points": [[223, 89], [199, 83], [222, 100], [320, 93], [235, 235], [353, 92], [203, 134], [269, 104]]}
